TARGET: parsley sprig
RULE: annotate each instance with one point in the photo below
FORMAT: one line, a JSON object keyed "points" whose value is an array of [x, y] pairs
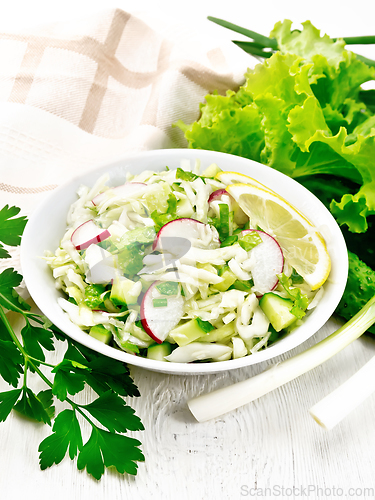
{"points": [[108, 415]]}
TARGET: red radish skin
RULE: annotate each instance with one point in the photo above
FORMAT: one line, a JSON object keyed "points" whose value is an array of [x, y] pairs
{"points": [[159, 321], [269, 262], [216, 195], [88, 233], [124, 190], [239, 215], [182, 228]]}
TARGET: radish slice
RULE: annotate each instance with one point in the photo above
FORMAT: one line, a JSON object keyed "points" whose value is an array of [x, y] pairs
{"points": [[87, 234], [123, 191], [221, 195], [216, 199], [218, 196], [267, 264], [200, 235], [159, 321]]}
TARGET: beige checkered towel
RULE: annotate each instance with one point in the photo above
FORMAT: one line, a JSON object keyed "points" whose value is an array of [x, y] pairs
{"points": [[76, 95]]}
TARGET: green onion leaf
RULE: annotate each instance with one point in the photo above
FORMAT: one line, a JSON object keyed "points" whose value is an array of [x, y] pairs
{"points": [[296, 278], [128, 346], [185, 176], [250, 241], [172, 204], [265, 41], [229, 241], [224, 221], [161, 219], [205, 325], [168, 288], [244, 286], [160, 302]]}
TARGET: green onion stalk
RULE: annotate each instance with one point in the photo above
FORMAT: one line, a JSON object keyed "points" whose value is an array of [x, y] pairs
{"points": [[221, 401], [263, 46]]}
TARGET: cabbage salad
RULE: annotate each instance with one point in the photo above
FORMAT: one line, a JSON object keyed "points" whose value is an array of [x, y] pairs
{"points": [[167, 266]]}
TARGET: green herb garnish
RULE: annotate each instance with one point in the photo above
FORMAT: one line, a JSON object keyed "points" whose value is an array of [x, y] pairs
{"points": [[93, 296], [172, 204], [168, 287], [223, 228], [244, 286], [250, 240], [229, 241], [296, 278], [11, 227], [294, 293], [160, 302], [205, 325], [80, 367]]}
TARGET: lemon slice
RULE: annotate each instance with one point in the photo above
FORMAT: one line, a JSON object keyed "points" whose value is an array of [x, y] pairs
{"points": [[228, 178], [303, 246]]}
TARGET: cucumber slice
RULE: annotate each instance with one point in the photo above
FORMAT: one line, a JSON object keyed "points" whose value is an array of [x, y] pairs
{"points": [[184, 208], [188, 332], [125, 292], [228, 279], [159, 351], [222, 334], [278, 310], [101, 333], [211, 171]]}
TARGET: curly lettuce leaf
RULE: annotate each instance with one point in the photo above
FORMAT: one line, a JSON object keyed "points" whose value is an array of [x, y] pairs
{"points": [[353, 209], [307, 43], [302, 112], [227, 126]]}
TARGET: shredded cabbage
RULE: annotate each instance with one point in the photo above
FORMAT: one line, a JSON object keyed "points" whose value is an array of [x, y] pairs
{"points": [[214, 279]]}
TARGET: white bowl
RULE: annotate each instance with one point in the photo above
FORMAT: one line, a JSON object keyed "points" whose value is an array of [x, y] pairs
{"points": [[48, 223]]}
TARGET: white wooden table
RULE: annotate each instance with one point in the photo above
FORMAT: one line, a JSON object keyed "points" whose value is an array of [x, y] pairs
{"points": [[271, 448]]}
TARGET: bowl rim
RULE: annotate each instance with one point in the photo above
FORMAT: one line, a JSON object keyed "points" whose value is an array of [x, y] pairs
{"points": [[34, 272]]}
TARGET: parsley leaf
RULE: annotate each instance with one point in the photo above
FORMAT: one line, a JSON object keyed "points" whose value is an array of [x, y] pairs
{"points": [[7, 401], [109, 378], [34, 338], [31, 406], [9, 298], [46, 398], [10, 228], [10, 362], [107, 449], [114, 414], [66, 434], [69, 378], [105, 374], [4, 254], [4, 334]]}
